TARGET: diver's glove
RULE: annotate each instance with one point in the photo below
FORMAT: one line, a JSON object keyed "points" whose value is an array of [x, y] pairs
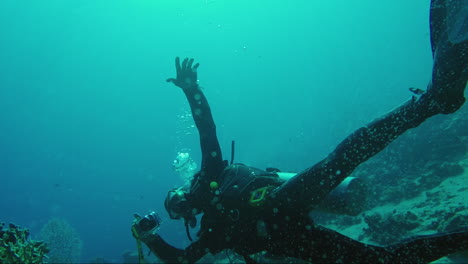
{"points": [[144, 228], [186, 74]]}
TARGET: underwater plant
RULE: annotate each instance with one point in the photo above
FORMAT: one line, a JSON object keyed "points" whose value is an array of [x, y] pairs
{"points": [[63, 240], [16, 247]]}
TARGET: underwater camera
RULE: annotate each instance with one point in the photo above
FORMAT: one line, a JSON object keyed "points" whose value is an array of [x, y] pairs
{"points": [[149, 222]]}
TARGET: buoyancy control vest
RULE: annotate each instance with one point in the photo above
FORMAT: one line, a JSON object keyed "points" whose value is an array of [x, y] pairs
{"points": [[238, 183]]}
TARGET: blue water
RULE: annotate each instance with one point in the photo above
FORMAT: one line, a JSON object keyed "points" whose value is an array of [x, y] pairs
{"points": [[89, 127]]}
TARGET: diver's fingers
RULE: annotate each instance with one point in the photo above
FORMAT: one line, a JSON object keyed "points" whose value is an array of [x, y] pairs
{"points": [[172, 80], [195, 67], [184, 64], [190, 62], [177, 64]]}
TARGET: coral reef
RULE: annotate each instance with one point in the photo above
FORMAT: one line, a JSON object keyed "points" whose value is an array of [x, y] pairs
{"points": [[63, 240], [387, 229], [16, 247], [436, 210]]}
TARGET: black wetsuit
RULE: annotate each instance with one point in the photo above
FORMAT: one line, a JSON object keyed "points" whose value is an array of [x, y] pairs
{"points": [[281, 225]]}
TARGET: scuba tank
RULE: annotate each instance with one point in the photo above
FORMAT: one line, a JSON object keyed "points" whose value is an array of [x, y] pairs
{"points": [[348, 198]]}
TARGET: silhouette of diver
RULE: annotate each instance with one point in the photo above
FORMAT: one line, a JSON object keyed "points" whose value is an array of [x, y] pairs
{"points": [[250, 210]]}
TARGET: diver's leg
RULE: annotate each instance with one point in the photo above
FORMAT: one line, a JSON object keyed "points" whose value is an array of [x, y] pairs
{"points": [[449, 41], [445, 95], [309, 187], [424, 249], [299, 237], [321, 245]]}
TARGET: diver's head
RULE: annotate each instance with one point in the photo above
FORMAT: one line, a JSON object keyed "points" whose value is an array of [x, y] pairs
{"points": [[177, 204]]}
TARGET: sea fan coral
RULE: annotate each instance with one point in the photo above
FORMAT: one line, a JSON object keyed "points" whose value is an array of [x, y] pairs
{"points": [[63, 240]]}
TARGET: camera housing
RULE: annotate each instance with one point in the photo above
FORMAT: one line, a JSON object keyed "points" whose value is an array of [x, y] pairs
{"points": [[149, 222]]}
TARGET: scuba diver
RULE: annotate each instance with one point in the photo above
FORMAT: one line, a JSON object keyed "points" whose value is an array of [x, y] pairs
{"points": [[249, 210]]}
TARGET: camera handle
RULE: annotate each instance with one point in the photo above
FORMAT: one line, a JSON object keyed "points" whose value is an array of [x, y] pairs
{"points": [[136, 234], [141, 257]]}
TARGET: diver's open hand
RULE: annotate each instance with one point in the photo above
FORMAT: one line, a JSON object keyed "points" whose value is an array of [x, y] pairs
{"points": [[186, 74]]}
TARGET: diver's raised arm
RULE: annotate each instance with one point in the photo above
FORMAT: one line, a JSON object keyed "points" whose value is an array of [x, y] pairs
{"points": [[186, 77], [187, 80]]}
